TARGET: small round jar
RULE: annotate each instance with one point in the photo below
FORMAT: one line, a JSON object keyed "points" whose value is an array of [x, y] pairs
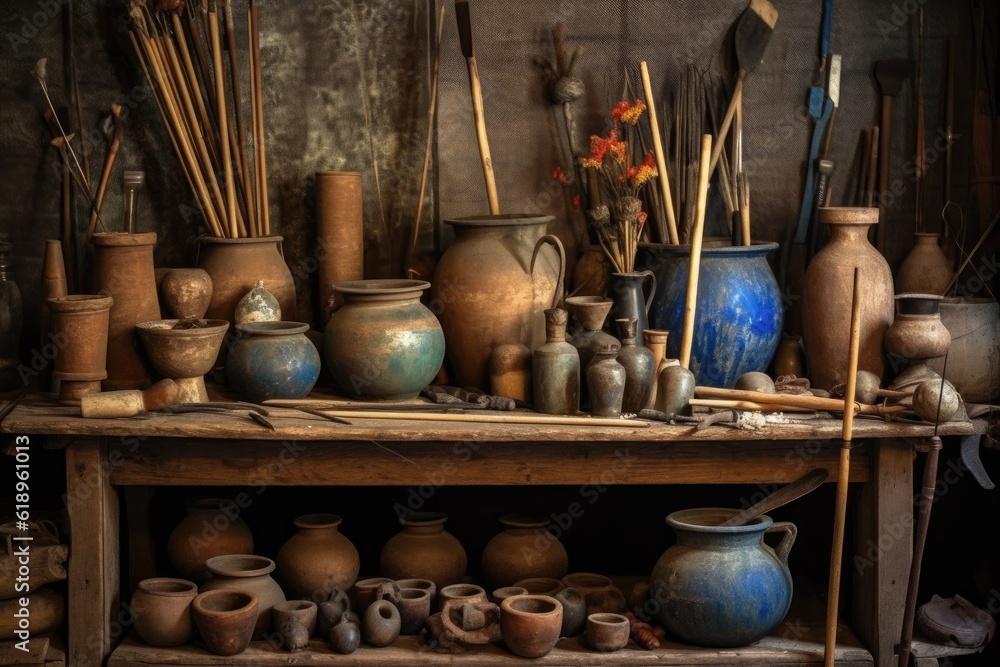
{"points": [[273, 360], [161, 611]]}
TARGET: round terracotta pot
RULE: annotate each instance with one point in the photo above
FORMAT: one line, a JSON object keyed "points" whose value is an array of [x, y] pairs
{"points": [[487, 291], [161, 611], [383, 343], [531, 624], [236, 265], [123, 270], [79, 324], [826, 298], [424, 550], [317, 559], [273, 360], [225, 619], [524, 549], [247, 573], [917, 335], [788, 358], [925, 270], [211, 528], [186, 292]]}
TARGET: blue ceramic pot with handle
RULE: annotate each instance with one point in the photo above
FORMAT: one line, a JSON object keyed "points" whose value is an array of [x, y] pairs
{"points": [[739, 313], [722, 586], [272, 360]]}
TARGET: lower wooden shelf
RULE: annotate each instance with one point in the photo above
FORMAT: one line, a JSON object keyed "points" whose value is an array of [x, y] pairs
{"points": [[797, 641]]}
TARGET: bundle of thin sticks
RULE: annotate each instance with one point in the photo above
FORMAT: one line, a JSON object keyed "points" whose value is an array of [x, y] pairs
{"points": [[182, 52]]}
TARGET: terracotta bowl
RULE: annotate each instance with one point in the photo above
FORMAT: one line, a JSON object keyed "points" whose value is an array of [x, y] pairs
{"points": [[225, 619], [607, 632], [531, 624]]}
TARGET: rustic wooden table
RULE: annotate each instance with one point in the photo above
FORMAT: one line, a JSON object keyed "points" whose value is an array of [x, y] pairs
{"points": [[305, 450]]}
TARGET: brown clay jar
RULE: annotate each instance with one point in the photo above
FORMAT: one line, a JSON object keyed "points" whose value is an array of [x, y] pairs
{"points": [[525, 549], [225, 619], [79, 324], [827, 295], [161, 611], [250, 574], [186, 292], [423, 549], [925, 270], [235, 266], [317, 559], [212, 527]]}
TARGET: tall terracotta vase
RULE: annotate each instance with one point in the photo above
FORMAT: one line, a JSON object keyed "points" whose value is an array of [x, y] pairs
{"points": [[491, 287], [925, 270], [123, 269], [235, 266], [340, 240], [424, 550], [317, 559], [826, 298]]}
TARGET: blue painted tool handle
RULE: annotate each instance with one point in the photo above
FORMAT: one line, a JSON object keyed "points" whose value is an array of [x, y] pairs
{"points": [[825, 39], [808, 192]]}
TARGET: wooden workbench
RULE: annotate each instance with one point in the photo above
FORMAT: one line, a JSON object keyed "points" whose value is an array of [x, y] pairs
{"points": [[305, 450]]}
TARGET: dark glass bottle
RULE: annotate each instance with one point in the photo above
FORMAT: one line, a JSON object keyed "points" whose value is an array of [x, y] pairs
{"points": [[11, 315]]}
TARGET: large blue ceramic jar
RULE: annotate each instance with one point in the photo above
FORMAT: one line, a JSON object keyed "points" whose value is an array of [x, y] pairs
{"points": [[721, 586], [272, 360], [739, 312]]}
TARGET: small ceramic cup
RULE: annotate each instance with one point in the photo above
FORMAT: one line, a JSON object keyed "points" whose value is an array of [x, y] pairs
{"points": [[161, 611], [607, 632], [304, 611], [225, 619], [363, 592], [531, 624], [414, 607], [464, 592], [424, 584]]}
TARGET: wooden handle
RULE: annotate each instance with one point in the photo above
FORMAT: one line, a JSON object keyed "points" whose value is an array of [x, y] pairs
{"points": [[883, 171], [807, 401], [484, 143], [691, 304], [734, 102], [743, 187], [661, 161], [854, 354]]}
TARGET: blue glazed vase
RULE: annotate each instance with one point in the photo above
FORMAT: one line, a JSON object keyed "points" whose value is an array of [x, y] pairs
{"points": [[383, 343], [721, 586], [272, 360], [739, 312]]}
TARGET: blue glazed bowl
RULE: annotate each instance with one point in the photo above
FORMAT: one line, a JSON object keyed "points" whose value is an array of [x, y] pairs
{"points": [[739, 313], [273, 360]]}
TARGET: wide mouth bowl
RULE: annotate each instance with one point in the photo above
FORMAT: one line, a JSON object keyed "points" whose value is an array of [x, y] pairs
{"points": [[223, 602], [523, 521], [607, 619], [240, 565], [533, 605], [709, 520], [165, 329], [80, 303], [460, 591], [317, 521], [271, 328], [423, 519], [291, 606], [587, 580], [500, 220], [169, 587], [380, 286], [540, 585]]}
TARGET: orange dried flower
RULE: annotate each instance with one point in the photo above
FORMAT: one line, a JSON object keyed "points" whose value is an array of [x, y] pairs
{"points": [[629, 113], [559, 175], [620, 109]]}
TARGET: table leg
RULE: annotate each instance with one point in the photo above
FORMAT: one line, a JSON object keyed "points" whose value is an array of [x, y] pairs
{"points": [[883, 549], [93, 563]]}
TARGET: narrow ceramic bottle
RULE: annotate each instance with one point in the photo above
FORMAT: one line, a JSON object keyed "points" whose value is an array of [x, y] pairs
{"points": [[640, 368], [606, 382], [556, 369]]}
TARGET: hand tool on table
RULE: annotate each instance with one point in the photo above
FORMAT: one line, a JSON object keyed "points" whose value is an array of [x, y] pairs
{"points": [[923, 522], [843, 475], [806, 401], [753, 33], [468, 50], [890, 75], [111, 128], [129, 402], [786, 494]]}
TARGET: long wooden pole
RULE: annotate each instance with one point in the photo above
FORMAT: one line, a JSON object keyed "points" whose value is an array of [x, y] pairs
{"points": [[222, 108], [694, 269], [840, 512], [263, 208], [661, 158], [807, 401], [242, 165]]}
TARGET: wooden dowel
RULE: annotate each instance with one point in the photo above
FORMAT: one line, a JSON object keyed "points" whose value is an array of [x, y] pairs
{"points": [[661, 160], [734, 102], [481, 137], [799, 400], [263, 207], [498, 418], [222, 108], [242, 164], [840, 510], [195, 86], [691, 303], [743, 187], [745, 405]]}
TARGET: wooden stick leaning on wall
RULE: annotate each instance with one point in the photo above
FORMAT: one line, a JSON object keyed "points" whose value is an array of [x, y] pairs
{"points": [[840, 512], [241, 149], [661, 160], [694, 268], [263, 208], [221, 104]]}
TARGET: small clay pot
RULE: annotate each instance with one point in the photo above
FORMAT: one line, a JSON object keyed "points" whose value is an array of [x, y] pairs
{"points": [[186, 292], [161, 611], [345, 638], [380, 626], [79, 324], [225, 619], [414, 606], [304, 611], [574, 611], [422, 584], [294, 635], [331, 612], [531, 624], [364, 590], [540, 585], [607, 632], [464, 592], [501, 594], [510, 371], [249, 573], [601, 593], [273, 360], [184, 355], [927, 395]]}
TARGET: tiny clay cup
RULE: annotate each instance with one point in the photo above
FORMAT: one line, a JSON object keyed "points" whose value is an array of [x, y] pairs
{"points": [[414, 605], [607, 632], [225, 619]]}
